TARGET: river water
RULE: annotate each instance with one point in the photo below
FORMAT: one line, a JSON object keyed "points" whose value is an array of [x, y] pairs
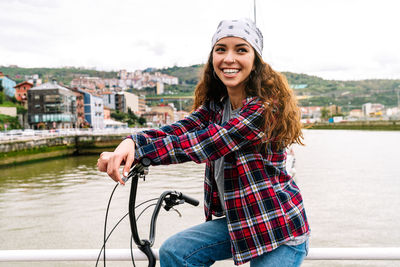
{"points": [[350, 183]]}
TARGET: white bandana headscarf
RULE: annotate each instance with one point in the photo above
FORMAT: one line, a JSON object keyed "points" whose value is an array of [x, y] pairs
{"points": [[242, 28]]}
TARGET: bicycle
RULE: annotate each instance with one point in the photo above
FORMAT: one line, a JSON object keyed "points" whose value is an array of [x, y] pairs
{"points": [[167, 199]]}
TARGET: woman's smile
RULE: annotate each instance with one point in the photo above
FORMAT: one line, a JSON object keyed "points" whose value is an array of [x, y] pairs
{"points": [[230, 72]]}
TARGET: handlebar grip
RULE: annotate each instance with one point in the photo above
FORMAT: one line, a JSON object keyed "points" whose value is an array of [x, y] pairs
{"points": [[145, 162], [189, 200]]}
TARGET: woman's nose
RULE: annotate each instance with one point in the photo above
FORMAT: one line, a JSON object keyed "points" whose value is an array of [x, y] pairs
{"points": [[229, 59]]}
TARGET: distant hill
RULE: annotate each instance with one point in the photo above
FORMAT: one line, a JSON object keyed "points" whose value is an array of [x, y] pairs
{"points": [[348, 94], [63, 75], [312, 90], [187, 75]]}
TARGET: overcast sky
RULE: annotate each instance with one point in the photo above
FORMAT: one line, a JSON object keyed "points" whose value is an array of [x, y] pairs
{"points": [[333, 39]]}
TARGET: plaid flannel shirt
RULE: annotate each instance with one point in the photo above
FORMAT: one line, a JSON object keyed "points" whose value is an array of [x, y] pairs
{"points": [[264, 207]]}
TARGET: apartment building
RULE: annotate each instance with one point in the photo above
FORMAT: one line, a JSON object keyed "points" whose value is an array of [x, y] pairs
{"points": [[94, 110], [51, 106]]}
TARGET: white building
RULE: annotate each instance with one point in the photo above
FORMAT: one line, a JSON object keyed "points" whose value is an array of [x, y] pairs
{"points": [[393, 112], [94, 110], [132, 102], [310, 114], [372, 109]]}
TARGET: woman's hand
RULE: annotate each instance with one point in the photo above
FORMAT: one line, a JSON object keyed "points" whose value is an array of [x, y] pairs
{"points": [[111, 161]]}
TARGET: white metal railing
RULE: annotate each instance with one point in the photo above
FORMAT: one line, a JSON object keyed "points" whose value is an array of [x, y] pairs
{"points": [[373, 253], [71, 255]]}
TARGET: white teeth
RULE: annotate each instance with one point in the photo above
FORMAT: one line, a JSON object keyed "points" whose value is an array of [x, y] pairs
{"points": [[230, 71]]}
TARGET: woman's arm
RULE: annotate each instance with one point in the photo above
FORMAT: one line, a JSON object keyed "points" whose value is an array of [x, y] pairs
{"points": [[210, 143], [196, 120]]}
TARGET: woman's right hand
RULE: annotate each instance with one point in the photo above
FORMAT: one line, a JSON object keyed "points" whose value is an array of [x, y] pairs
{"points": [[110, 162]]}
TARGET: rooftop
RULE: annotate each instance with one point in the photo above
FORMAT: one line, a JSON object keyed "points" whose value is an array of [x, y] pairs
{"points": [[50, 85]]}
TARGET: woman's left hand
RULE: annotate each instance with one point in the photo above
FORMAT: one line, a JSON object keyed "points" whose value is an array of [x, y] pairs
{"points": [[110, 162]]}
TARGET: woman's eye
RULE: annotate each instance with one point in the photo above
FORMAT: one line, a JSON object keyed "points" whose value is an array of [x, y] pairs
{"points": [[242, 50], [219, 49]]}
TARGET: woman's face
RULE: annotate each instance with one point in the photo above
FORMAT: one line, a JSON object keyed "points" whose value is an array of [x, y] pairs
{"points": [[233, 60]]}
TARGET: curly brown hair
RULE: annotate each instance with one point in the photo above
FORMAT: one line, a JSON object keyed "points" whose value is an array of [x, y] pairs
{"points": [[282, 114]]}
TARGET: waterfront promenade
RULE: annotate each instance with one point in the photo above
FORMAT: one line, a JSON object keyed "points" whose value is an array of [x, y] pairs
{"points": [[25, 146]]}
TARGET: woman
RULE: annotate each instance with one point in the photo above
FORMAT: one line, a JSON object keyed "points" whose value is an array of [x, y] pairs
{"points": [[244, 117]]}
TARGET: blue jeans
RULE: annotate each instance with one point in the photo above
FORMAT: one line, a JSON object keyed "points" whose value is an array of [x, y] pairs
{"points": [[208, 242]]}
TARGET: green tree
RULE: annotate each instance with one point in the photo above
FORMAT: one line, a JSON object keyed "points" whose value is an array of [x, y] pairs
{"points": [[142, 121], [325, 113], [118, 116], [131, 118], [12, 122]]}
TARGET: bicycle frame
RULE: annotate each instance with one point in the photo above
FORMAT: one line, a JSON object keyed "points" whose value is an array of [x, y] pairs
{"points": [[171, 198]]}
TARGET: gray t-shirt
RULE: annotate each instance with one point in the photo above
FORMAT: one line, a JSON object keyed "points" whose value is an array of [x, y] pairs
{"points": [[219, 163]]}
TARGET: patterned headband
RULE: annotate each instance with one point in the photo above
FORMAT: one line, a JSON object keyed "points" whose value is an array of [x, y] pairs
{"points": [[242, 28]]}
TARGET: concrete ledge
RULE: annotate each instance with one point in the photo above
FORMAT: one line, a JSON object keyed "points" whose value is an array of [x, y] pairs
{"points": [[23, 151]]}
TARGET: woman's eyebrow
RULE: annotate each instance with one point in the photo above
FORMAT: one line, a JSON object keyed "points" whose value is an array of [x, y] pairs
{"points": [[224, 45]]}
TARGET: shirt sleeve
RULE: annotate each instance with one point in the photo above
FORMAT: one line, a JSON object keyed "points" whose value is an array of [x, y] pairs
{"points": [[195, 121], [210, 142]]}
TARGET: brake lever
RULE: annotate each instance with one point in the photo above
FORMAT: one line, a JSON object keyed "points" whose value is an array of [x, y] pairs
{"points": [[171, 200], [141, 169], [177, 211], [142, 174]]}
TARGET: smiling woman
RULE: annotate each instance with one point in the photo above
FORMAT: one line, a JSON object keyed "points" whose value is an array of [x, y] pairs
{"points": [[244, 117]]}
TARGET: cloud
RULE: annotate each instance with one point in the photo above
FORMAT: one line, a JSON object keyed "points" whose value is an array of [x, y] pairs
{"points": [[157, 48], [33, 3]]}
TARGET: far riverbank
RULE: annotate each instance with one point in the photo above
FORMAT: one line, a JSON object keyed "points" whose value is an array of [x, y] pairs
{"points": [[378, 125]]}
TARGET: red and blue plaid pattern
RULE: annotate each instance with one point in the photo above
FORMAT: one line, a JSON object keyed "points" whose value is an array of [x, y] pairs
{"points": [[263, 205]]}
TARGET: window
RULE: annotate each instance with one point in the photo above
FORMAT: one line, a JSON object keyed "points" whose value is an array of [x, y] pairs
{"points": [[52, 108], [52, 98]]}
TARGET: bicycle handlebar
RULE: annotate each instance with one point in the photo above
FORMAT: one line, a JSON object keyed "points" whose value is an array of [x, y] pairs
{"points": [[188, 199], [171, 199]]}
